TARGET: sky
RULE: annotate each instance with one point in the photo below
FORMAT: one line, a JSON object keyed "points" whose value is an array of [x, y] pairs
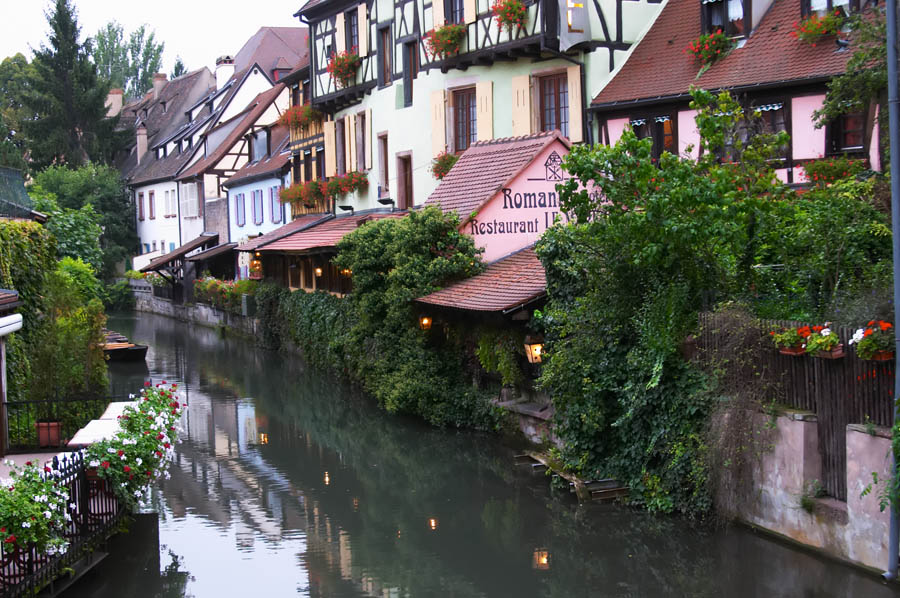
{"points": [[197, 30]]}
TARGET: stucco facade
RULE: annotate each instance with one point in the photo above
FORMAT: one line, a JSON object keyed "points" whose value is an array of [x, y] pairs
{"points": [[156, 208]]}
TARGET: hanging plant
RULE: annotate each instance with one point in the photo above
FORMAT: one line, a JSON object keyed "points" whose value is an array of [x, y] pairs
{"points": [[311, 193], [813, 28], [445, 40], [511, 14], [343, 67], [710, 47], [298, 117], [442, 164]]}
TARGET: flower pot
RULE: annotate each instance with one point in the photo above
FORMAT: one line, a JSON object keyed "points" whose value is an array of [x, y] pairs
{"points": [[91, 473], [48, 433], [836, 353], [881, 356], [792, 351]]}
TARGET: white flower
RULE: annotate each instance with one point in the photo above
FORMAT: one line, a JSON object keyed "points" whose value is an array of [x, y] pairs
{"points": [[138, 460], [68, 517], [826, 331], [111, 451], [26, 524], [94, 463], [48, 514], [857, 336], [138, 493]]}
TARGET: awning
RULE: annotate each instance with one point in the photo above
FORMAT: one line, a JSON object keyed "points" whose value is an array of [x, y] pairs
{"points": [[324, 235], [507, 284], [161, 262], [214, 252]]}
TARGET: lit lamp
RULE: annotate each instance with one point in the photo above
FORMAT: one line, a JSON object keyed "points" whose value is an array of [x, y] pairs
{"points": [[263, 438], [318, 272], [433, 524], [540, 560], [327, 478], [346, 272], [534, 348], [425, 323]]}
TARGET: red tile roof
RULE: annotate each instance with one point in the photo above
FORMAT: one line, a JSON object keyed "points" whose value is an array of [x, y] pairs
{"points": [[8, 300], [515, 280], [660, 68], [248, 117], [301, 223], [326, 234], [271, 45], [485, 168]]}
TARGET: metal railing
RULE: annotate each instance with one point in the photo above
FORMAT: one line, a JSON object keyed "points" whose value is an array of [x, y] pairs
{"points": [[49, 424], [95, 513]]}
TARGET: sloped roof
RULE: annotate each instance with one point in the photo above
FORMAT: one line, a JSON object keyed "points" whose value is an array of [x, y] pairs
{"points": [[212, 252], [506, 284], [485, 168], [254, 110], [309, 5], [326, 234], [270, 165], [152, 169], [300, 223], [270, 46], [659, 68], [179, 253], [9, 300], [14, 199]]}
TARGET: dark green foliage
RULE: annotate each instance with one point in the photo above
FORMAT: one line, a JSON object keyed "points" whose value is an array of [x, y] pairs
{"points": [[67, 99], [127, 65], [319, 323], [179, 69], [269, 299], [77, 231], [27, 253], [15, 73], [103, 188], [118, 296]]}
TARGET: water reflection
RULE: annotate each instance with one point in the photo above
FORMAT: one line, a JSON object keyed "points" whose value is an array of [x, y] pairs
{"points": [[289, 483]]}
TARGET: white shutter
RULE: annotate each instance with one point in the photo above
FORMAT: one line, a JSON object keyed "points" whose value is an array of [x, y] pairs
{"points": [[362, 22], [575, 104], [437, 13], [438, 122], [330, 154], [484, 96], [470, 10], [521, 107], [350, 136], [340, 33]]}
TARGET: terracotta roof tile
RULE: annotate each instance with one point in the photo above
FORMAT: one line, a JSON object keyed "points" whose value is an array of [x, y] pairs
{"points": [[506, 284], [8, 300], [484, 168], [659, 67], [179, 253], [301, 223], [212, 252], [326, 234]]}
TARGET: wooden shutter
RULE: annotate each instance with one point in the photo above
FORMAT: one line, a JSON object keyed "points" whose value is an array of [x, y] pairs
{"points": [[484, 93], [340, 33], [438, 122], [575, 104], [367, 139], [437, 13], [521, 107], [330, 155], [316, 158], [470, 10], [362, 23], [350, 144]]}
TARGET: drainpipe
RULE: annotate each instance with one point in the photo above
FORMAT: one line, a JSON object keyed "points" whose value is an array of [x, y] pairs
{"points": [[894, 129]]}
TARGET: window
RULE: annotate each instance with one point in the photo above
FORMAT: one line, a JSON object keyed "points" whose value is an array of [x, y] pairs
{"points": [[165, 204], [320, 162], [259, 145], [340, 150], [140, 203], [385, 57], [171, 246], [146, 247], [240, 214], [295, 96], [190, 204], [154, 245], [151, 202], [660, 129], [410, 70], [465, 131], [274, 204], [727, 15], [352, 28], [554, 103], [456, 11], [307, 96], [774, 121], [361, 142], [258, 206], [848, 133], [822, 7], [384, 187], [307, 166]]}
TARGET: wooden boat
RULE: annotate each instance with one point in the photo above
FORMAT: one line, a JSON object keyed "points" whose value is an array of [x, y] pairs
{"points": [[119, 348]]}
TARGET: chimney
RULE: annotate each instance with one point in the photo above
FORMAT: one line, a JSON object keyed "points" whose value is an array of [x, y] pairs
{"points": [[141, 134], [115, 99], [224, 70], [159, 81]]}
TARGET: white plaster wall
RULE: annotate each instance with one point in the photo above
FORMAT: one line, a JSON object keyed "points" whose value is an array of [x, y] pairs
{"points": [[255, 83], [161, 228], [240, 234]]}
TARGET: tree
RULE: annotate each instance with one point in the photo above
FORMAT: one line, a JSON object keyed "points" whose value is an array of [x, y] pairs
{"points": [[14, 77], [127, 65], [77, 231], [179, 69], [103, 188], [67, 99], [10, 154]]}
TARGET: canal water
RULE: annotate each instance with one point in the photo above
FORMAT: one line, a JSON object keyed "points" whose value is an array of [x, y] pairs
{"points": [[289, 483]]}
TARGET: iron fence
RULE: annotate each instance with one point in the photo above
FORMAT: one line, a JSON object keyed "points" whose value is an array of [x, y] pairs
{"points": [[95, 513], [841, 391]]}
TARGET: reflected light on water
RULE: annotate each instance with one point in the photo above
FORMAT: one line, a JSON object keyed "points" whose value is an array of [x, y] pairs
{"points": [[327, 478], [540, 560]]}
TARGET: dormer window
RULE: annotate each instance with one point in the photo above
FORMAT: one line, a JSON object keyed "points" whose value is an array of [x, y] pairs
{"points": [[725, 15], [823, 7]]}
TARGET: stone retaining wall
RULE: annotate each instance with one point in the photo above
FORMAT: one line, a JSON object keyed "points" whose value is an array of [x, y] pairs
{"points": [[197, 313]]}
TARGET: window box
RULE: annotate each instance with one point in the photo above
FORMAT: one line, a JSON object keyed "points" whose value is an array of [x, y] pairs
{"points": [[445, 41], [708, 48], [814, 27], [511, 14], [343, 66]]}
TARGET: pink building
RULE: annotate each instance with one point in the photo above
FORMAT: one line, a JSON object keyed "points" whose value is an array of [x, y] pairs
{"points": [[768, 69]]}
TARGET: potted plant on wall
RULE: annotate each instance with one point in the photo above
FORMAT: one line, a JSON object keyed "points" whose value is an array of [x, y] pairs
{"points": [[813, 28], [445, 40], [791, 341], [511, 14], [824, 343], [343, 66], [875, 342], [709, 47], [442, 164]]}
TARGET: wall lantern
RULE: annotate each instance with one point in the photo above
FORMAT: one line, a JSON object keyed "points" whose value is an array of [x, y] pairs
{"points": [[425, 323], [318, 271], [534, 348], [433, 524], [540, 560], [327, 478], [346, 272], [258, 254]]}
